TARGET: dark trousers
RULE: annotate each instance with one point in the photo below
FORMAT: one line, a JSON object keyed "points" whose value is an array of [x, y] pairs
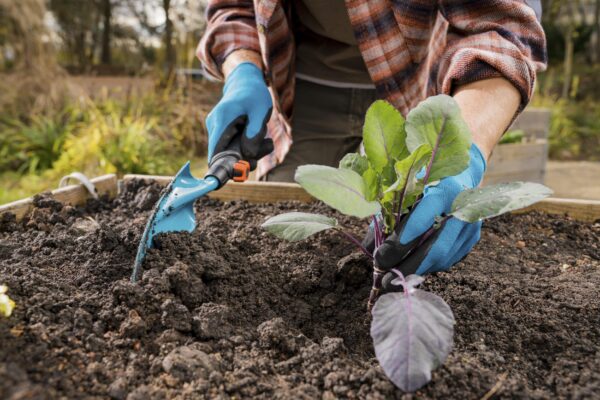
{"points": [[326, 125]]}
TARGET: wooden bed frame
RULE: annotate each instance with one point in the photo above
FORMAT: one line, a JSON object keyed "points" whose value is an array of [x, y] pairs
{"points": [[268, 192]]}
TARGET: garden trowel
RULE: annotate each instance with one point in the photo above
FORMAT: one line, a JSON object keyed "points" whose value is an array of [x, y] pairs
{"points": [[174, 211]]}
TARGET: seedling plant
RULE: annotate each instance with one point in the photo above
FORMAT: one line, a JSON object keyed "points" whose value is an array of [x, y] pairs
{"points": [[412, 330]]}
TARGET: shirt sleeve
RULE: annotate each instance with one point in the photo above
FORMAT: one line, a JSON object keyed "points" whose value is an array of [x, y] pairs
{"points": [[231, 26], [492, 38]]}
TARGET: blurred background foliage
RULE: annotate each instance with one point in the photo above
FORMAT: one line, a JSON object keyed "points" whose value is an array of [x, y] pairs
{"points": [[113, 86]]}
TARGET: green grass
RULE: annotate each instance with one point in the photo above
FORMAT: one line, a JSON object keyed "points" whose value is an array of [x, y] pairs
{"points": [[16, 186], [154, 133]]}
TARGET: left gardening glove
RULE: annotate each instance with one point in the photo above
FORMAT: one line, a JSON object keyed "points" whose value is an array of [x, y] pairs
{"points": [[449, 244], [244, 109]]}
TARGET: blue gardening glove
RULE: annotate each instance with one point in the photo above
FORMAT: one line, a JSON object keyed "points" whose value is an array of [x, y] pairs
{"points": [[449, 244], [244, 109]]}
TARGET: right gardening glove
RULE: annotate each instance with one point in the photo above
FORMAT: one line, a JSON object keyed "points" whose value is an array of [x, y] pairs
{"points": [[448, 245], [244, 109]]}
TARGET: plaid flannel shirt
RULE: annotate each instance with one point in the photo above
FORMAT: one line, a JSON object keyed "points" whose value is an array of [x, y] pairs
{"points": [[412, 49]]}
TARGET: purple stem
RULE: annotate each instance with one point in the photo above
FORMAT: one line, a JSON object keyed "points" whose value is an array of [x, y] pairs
{"points": [[376, 288], [400, 275], [356, 242], [399, 212]]}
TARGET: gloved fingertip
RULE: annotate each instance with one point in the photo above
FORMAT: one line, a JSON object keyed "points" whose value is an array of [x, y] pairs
{"points": [[384, 255], [257, 123]]}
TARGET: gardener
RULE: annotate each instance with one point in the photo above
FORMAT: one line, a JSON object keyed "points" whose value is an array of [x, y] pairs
{"points": [[328, 60]]}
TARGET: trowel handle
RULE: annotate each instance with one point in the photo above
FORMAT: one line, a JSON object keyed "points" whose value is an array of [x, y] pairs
{"points": [[228, 164]]}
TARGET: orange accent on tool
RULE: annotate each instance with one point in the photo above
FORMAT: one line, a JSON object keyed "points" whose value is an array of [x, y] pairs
{"points": [[241, 170]]}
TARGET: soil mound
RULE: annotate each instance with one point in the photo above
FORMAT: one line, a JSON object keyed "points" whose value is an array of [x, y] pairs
{"points": [[230, 311]]}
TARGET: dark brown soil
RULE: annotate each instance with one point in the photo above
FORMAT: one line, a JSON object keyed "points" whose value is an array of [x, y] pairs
{"points": [[232, 312]]}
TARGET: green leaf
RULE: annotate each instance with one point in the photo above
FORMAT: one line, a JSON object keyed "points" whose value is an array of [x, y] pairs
{"points": [[296, 226], [372, 181], [342, 189], [355, 162], [407, 169], [480, 203], [437, 121], [383, 135]]}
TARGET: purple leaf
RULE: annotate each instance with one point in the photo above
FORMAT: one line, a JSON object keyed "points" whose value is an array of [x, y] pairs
{"points": [[412, 333]]}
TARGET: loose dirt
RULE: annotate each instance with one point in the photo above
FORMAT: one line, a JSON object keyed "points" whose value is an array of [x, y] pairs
{"points": [[232, 312]]}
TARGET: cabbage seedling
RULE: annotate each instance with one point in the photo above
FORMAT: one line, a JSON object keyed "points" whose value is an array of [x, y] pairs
{"points": [[412, 331]]}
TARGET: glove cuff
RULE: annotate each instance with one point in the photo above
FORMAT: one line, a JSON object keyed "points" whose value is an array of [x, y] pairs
{"points": [[244, 71], [477, 164]]}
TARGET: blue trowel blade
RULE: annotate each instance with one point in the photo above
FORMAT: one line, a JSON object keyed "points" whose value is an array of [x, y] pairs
{"points": [[174, 212]]}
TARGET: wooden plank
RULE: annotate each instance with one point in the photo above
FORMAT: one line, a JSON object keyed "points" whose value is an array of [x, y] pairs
{"points": [[525, 176], [581, 210], [269, 192], [72, 194], [518, 161], [515, 157], [252, 191], [535, 122]]}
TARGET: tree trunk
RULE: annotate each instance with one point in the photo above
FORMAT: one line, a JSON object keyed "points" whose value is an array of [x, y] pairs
{"points": [[568, 63], [80, 52], [170, 56], [106, 33], [596, 51]]}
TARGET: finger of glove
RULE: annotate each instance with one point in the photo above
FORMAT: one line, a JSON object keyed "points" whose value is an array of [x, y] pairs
{"points": [[222, 124], [266, 148], [433, 204], [387, 286], [232, 130], [451, 239], [472, 234], [392, 252], [410, 265], [405, 258], [255, 133]]}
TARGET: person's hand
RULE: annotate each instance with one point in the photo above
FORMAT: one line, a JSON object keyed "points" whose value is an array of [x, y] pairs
{"points": [[449, 244], [245, 109]]}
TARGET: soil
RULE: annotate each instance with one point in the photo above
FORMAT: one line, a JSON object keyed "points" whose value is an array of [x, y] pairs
{"points": [[232, 312]]}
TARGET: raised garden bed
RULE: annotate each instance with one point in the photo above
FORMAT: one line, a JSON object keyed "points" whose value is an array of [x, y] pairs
{"points": [[526, 160], [231, 311]]}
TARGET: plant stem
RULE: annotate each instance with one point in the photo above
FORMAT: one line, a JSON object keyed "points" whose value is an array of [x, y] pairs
{"points": [[399, 212], [355, 241], [376, 288]]}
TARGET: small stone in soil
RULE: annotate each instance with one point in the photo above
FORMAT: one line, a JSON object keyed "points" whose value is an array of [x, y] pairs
{"points": [[212, 321], [187, 363], [134, 326], [176, 316]]}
